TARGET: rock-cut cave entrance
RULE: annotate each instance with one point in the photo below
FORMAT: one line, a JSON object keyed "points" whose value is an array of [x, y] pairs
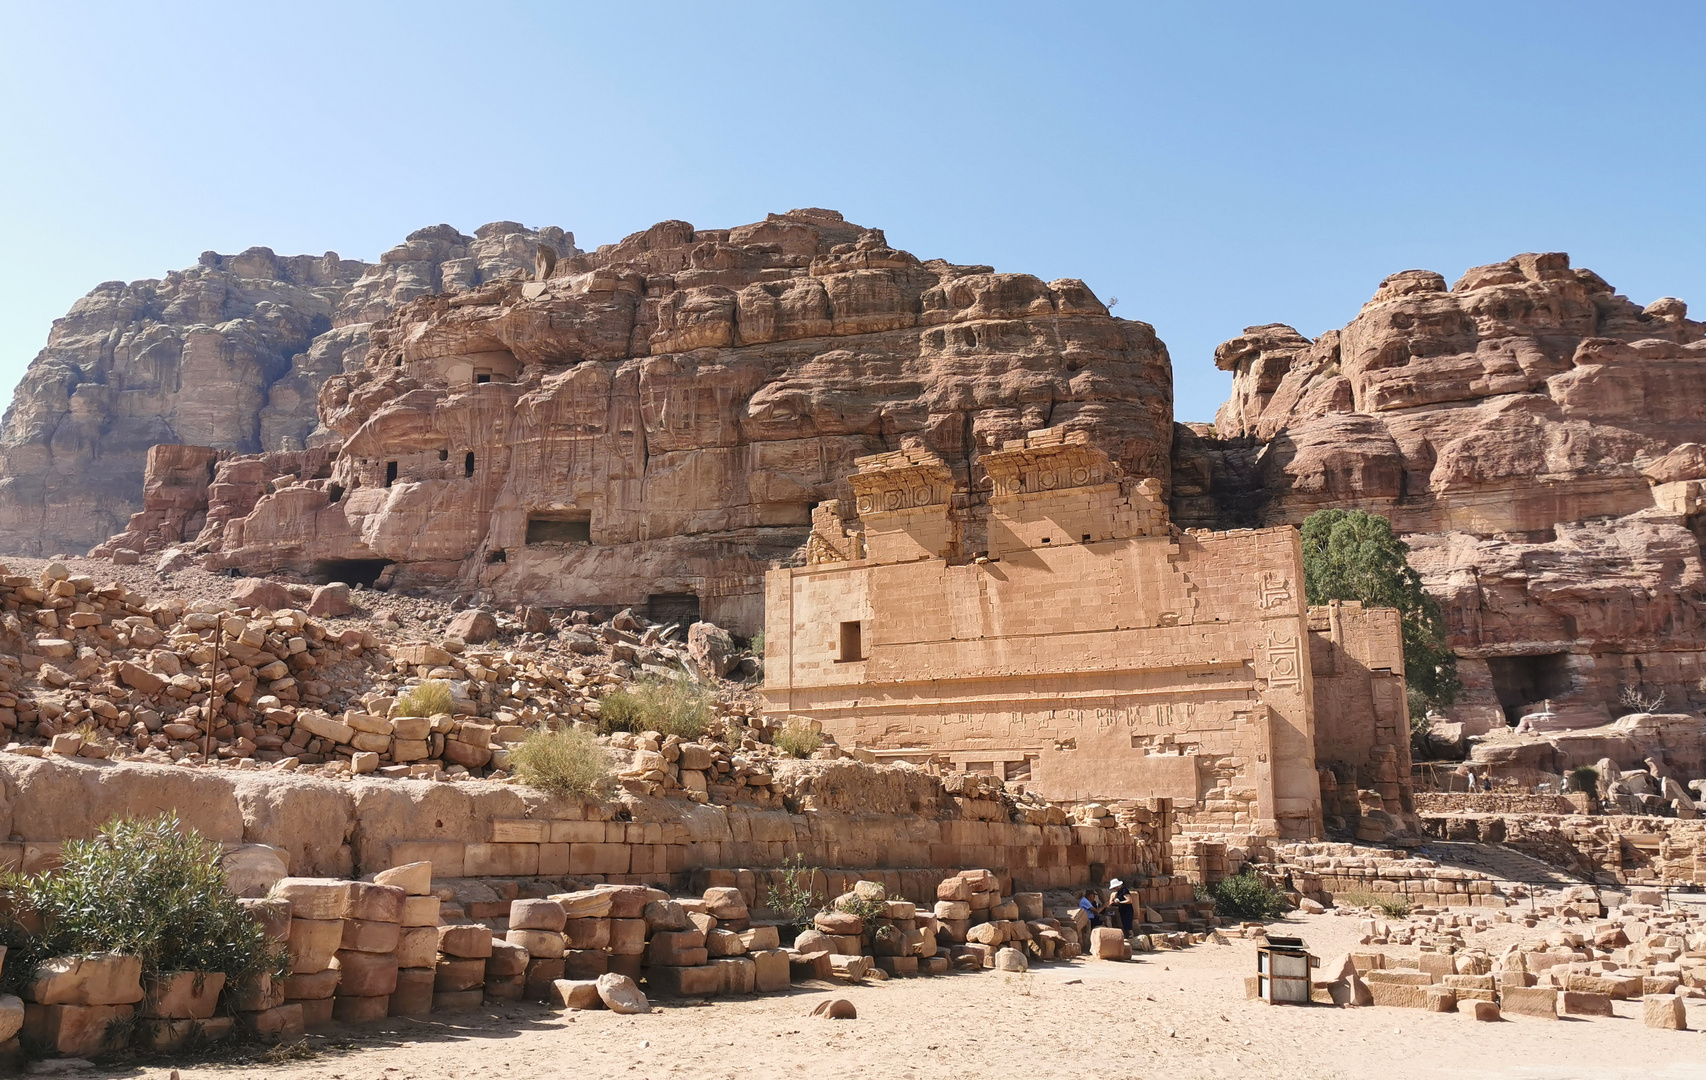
{"points": [[349, 571], [1520, 681]]}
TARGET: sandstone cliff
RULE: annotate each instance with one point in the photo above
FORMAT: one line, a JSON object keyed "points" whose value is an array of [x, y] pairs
{"points": [[656, 420], [1532, 433], [229, 353]]}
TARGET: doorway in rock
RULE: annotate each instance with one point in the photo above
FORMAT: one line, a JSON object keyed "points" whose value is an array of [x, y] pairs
{"points": [[680, 608], [349, 571], [1521, 681]]}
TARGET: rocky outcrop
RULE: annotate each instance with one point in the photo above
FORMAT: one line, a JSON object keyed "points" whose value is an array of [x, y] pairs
{"points": [[229, 353], [654, 422], [1535, 437]]}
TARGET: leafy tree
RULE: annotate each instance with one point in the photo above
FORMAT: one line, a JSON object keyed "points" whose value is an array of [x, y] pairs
{"points": [[1353, 555]]}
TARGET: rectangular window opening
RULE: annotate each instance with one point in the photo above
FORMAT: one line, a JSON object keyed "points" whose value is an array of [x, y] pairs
{"points": [[852, 647], [482, 378], [390, 473], [468, 469], [563, 527]]}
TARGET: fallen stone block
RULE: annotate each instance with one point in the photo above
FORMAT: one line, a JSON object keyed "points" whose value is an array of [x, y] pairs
{"points": [[413, 996], [366, 974], [360, 1010], [313, 943], [187, 995], [1483, 1010], [620, 994], [76, 1030], [1577, 1003], [576, 994], [1540, 1002], [704, 980], [1664, 1011], [458, 1000]]}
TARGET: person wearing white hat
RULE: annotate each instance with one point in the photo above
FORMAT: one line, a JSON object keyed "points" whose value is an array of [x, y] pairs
{"points": [[1121, 902]]}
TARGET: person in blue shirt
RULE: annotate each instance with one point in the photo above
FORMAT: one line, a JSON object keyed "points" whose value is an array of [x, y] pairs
{"points": [[1087, 904]]}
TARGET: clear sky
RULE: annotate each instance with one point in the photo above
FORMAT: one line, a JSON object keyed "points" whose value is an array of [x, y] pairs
{"points": [[1211, 165]]}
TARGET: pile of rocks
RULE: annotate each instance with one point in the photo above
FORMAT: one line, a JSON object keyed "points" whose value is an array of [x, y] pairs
{"points": [[103, 670], [1597, 948]]}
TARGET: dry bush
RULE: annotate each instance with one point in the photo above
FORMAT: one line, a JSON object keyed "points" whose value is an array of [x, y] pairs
{"points": [[431, 698], [675, 706], [1636, 701], [568, 762], [797, 740]]}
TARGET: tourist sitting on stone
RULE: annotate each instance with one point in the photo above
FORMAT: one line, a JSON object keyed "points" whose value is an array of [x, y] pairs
{"points": [[1087, 902]]}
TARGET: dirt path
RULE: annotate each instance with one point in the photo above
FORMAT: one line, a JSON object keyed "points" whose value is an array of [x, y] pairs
{"points": [[1179, 1015]]}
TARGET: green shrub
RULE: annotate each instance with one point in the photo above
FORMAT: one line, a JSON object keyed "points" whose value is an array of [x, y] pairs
{"points": [[1390, 905], [797, 740], [1584, 778], [795, 898], [1246, 896], [144, 887], [568, 761], [431, 698], [675, 706]]}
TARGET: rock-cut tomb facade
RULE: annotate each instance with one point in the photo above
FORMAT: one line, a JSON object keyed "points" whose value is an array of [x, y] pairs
{"points": [[1060, 633]]}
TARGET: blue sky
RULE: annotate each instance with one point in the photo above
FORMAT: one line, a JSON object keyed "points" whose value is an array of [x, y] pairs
{"points": [[1211, 165]]}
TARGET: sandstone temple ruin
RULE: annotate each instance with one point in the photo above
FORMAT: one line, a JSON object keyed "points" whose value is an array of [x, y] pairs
{"points": [[1063, 635]]}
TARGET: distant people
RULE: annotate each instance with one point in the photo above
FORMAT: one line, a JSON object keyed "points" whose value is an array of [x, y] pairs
{"points": [[1487, 782], [1471, 779], [1122, 905]]}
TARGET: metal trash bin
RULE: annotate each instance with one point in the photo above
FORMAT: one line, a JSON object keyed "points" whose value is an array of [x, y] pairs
{"points": [[1282, 971]]}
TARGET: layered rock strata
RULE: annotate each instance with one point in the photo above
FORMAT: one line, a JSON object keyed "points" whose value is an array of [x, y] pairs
{"points": [[1533, 434], [655, 421], [230, 353]]}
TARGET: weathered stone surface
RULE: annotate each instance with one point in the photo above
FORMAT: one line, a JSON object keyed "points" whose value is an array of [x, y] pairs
{"points": [[620, 994], [229, 353], [102, 979], [1532, 433], [665, 411]]}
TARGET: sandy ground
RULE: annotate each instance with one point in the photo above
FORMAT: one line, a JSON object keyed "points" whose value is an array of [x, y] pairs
{"points": [[1167, 1014]]}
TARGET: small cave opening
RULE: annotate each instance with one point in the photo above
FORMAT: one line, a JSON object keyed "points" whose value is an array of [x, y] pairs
{"points": [[349, 571], [1521, 681], [334, 492], [568, 527], [390, 473], [468, 470], [680, 608]]}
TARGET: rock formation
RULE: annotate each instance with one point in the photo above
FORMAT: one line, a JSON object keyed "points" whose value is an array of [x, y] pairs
{"points": [[229, 353], [1536, 438], [655, 421]]}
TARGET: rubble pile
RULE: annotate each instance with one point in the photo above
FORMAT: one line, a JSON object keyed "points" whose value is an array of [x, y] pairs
{"points": [[1322, 870], [1591, 948], [102, 670]]}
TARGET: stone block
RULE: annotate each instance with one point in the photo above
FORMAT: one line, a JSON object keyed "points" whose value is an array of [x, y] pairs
{"points": [[377, 937], [318, 899], [101, 979], [1577, 1003], [415, 878], [627, 936], [366, 974], [537, 942], [187, 995], [507, 959], [536, 915], [590, 963], [738, 974], [677, 948], [283, 1024], [371, 902], [502, 860], [360, 1010], [465, 940], [576, 994], [455, 976], [1664, 1011], [771, 972], [75, 1030], [413, 996], [311, 987], [697, 980], [621, 995], [761, 938], [1107, 943], [540, 974], [587, 904], [421, 911], [313, 943], [505, 988], [417, 946], [1540, 1002], [1483, 1010]]}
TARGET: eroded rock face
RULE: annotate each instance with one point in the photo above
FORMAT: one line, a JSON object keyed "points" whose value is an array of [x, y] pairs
{"points": [[1535, 436], [228, 354], [658, 418]]}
